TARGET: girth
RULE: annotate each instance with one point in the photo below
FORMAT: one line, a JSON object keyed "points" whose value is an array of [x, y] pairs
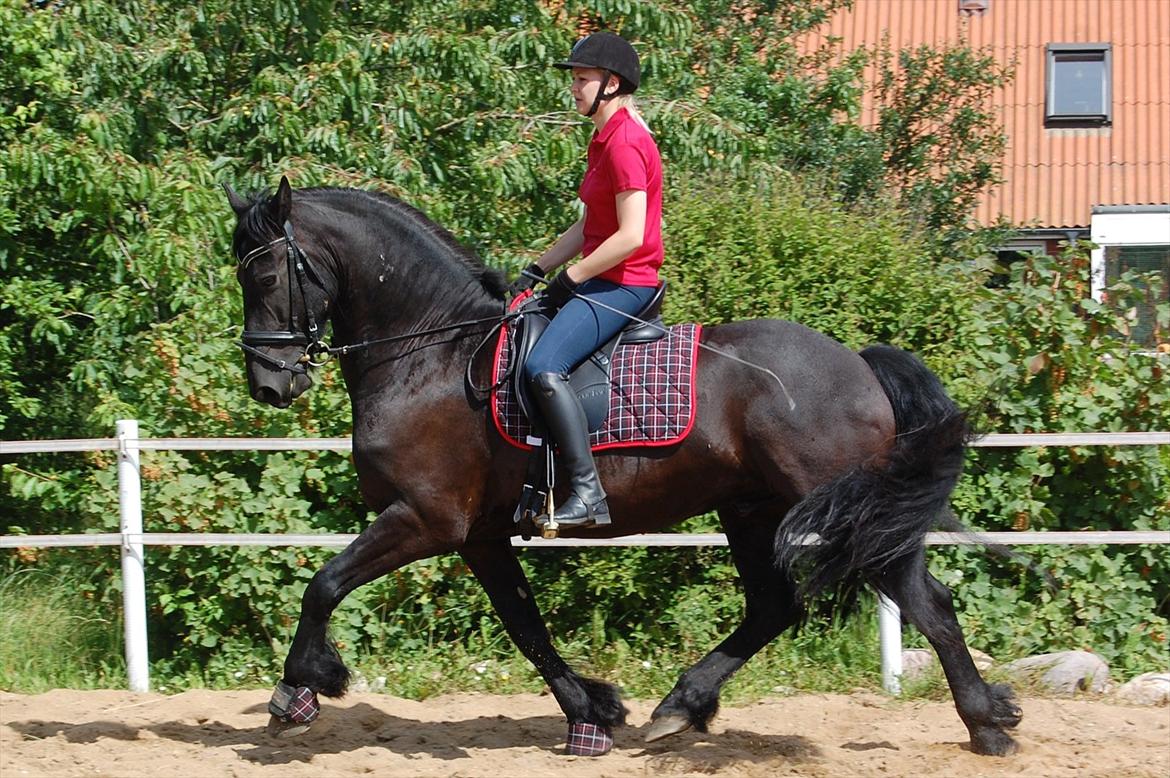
{"points": [[591, 379]]}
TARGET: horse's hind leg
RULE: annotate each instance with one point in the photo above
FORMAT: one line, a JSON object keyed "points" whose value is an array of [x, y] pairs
{"points": [[771, 607], [986, 709], [585, 701]]}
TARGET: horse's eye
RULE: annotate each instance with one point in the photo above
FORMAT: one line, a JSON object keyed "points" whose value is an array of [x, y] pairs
{"points": [[267, 282]]}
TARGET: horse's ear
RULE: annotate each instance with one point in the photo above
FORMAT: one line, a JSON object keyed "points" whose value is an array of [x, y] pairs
{"points": [[239, 204], [281, 203]]}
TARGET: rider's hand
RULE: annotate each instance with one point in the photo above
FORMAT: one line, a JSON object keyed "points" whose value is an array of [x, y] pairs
{"points": [[560, 290], [523, 281]]}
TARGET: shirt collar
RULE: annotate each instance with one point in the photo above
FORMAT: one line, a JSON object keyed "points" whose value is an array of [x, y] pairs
{"points": [[620, 117]]}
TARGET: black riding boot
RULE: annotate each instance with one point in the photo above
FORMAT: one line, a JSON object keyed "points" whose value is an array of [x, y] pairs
{"points": [[568, 428]]}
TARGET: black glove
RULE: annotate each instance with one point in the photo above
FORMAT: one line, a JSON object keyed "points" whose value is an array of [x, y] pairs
{"points": [[523, 283], [560, 290]]}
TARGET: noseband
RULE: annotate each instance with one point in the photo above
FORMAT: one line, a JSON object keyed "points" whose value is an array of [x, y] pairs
{"points": [[252, 340]]}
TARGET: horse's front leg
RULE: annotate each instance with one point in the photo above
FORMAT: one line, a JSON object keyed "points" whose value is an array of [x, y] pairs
{"points": [[313, 666], [592, 707]]}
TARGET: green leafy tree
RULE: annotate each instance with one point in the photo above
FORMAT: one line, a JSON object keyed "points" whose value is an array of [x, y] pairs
{"points": [[118, 120]]}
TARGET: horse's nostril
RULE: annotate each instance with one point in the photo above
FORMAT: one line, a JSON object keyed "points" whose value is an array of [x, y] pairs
{"points": [[266, 394]]}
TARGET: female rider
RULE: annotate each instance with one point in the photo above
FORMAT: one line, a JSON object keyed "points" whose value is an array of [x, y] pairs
{"points": [[620, 240]]}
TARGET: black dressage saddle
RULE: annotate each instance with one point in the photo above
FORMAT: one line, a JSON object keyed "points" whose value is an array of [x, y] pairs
{"points": [[590, 379]]}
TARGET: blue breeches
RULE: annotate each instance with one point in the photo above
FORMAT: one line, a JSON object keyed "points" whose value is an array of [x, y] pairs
{"points": [[579, 328]]}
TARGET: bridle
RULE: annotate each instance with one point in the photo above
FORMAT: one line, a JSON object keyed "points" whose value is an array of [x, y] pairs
{"points": [[314, 347], [316, 351]]}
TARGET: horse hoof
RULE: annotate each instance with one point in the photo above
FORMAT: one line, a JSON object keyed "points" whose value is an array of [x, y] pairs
{"points": [[666, 726], [286, 729], [588, 740], [993, 742]]}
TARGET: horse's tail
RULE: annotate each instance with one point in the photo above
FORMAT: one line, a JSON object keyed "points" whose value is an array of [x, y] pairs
{"points": [[878, 514]]}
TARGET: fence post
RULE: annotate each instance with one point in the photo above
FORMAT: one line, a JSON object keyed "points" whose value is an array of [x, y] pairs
{"points": [[890, 636], [133, 561]]}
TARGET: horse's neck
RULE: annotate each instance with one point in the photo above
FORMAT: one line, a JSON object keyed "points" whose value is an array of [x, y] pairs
{"points": [[400, 279], [384, 297], [399, 284]]}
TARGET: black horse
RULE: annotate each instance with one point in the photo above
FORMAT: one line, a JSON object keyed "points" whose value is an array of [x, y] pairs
{"points": [[867, 459]]}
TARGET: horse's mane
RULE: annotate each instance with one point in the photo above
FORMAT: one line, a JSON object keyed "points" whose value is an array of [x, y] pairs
{"points": [[257, 224]]}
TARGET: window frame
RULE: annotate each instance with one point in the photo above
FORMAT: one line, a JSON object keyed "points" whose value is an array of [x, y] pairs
{"points": [[1133, 226], [1051, 52]]}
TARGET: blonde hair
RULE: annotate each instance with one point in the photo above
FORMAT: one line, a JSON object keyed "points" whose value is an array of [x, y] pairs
{"points": [[630, 104]]}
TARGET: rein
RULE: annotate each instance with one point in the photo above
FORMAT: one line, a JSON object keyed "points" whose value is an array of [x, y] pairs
{"points": [[317, 349], [499, 321]]}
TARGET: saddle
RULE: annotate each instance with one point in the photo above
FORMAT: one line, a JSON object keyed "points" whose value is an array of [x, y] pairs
{"points": [[591, 379], [591, 382]]}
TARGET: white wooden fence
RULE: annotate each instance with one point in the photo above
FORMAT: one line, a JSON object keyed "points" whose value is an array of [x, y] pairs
{"points": [[133, 540]]}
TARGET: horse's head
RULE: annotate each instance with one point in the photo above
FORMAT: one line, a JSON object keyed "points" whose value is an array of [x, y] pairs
{"points": [[283, 309]]}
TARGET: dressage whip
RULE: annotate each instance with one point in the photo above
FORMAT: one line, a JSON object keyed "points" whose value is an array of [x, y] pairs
{"points": [[712, 349]]}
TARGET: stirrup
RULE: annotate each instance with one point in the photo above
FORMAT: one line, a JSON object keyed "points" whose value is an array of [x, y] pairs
{"points": [[591, 518]]}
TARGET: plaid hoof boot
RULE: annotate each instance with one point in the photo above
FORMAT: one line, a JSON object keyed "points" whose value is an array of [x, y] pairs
{"points": [[293, 710], [588, 740]]}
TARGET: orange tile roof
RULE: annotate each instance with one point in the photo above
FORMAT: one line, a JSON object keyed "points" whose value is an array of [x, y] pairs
{"points": [[1052, 177]]}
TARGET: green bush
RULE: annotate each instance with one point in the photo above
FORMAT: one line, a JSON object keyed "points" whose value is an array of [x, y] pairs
{"points": [[117, 300], [1048, 358], [785, 249], [223, 616]]}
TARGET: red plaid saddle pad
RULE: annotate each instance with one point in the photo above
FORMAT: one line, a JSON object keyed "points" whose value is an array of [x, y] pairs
{"points": [[652, 393]]}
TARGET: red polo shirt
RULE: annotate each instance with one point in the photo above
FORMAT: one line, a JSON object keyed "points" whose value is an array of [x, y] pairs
{"points": [[622, 157]]}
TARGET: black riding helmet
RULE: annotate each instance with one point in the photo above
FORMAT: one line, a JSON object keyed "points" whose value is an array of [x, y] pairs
{"points": [[611, 53]]}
